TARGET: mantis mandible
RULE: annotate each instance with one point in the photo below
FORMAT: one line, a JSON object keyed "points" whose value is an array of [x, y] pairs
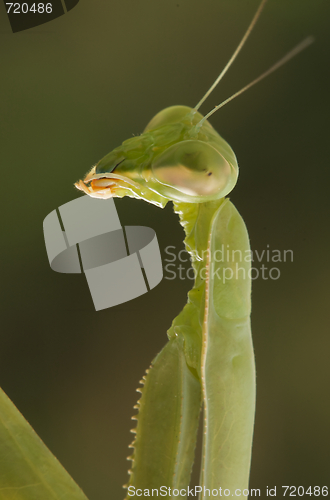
{"points": [[208, 361]]}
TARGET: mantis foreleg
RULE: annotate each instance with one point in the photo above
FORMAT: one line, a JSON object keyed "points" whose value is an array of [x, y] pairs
{"points": [[167, 423]]}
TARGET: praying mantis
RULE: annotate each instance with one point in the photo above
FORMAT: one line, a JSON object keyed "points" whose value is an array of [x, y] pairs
{"points": [[208, 361]]}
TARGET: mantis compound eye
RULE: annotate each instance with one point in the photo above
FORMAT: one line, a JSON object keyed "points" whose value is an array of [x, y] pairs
{"points": [[195, 168]]}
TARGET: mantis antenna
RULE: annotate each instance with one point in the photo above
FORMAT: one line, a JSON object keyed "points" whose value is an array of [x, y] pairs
{"points": [[301, 46], [235, 54]]}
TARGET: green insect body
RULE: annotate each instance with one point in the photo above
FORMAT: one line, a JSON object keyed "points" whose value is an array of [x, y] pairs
{"points": [[208, 361], [209, 357]]}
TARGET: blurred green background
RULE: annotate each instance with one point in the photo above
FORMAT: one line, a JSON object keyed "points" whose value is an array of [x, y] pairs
{"points": [[72, 90]]}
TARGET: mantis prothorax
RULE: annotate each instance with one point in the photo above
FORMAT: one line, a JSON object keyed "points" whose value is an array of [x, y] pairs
{"points": [[208, 361]]}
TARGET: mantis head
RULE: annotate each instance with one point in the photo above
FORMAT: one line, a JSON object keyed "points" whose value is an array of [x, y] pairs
{"points": [[173, 159], [179, 156]]}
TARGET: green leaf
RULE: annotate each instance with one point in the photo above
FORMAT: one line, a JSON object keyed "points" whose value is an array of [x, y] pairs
{"points": [[28, 470]]}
